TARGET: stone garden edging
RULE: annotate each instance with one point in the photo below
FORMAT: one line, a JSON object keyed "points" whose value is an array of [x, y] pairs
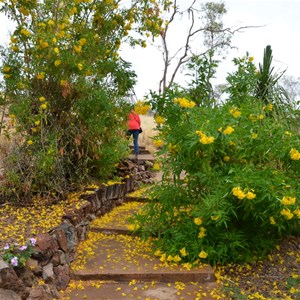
{"points": [[48, 271]]}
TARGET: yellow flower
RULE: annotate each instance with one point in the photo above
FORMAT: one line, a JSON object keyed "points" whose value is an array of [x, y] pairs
{"points": [[158, 143], [251, 58], [184, 103], [215, 217], [235, 112], [40, 75], [77, 49], [159, 120], [288, 133], [37, 123], [156, 167], [6, 69], [203, 254], [82, 41], [25, 32], [226, 158], [57, 62], [272, 221], [250, 195], [80, 66], [56, 50], [237, 191], [43, 106], [183, 252], [260, 117], [29, 142], [141, 108], [42, 99], [228, 130], [294, 154], [288, 200], [51, 22], [202, 233], [63, 82], [198, 221], [254, 136], [297, 213], [287, 213]]}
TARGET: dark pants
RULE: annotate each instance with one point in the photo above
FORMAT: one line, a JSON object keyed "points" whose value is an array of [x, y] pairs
{"points": [[135, 133]]}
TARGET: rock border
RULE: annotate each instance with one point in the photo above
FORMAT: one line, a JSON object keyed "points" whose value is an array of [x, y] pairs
{"points": [[48, 271]]}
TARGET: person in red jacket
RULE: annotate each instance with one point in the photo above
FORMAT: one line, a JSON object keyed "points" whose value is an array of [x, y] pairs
{"points": [[134, 127]]}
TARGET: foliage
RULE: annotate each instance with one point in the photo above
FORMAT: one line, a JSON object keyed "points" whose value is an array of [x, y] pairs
{"points": [[66, 85], [17, 256], [231, 172], [203, 69]]}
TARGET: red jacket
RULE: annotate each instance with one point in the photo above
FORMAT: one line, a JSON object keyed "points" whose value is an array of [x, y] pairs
{"points": [[134, 121]]}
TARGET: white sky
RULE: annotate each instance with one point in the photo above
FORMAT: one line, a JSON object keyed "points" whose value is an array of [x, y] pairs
{"points": [[281, 20]]}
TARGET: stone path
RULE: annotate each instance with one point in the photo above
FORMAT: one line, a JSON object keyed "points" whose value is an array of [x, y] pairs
{"points": [[123, 267]]}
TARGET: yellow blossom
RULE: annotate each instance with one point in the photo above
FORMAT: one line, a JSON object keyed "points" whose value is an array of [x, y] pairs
{"points": [[77, 49], [254, 135], [158, 143], [215, 217], [156, 167], [6, 69], [57, 62], [198, 221], [184, 103], [141, 107], [288, 133], [237, 191], [260, 117], [25, 32], [42, 99], [51, 22], [80, 66], [202, 233], [43, 106], [250, 195], [203, 254], [29, 142], [297, 213], [287, 213], [40, 75], [159, 119], [235, 112], [37, 123], [272, 221], [226, 158], [294, 154], [56, 50], [228, 130], [288, 200], [251, 58], [82, 41], [183, 252]]}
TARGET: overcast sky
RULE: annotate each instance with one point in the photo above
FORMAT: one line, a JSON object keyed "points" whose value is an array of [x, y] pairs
{"points": [[281, 29]]}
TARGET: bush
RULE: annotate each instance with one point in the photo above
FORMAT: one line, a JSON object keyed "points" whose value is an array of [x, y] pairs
{"points": [[231, 180]]}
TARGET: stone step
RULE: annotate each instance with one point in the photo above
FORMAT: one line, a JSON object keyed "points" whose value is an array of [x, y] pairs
{"points": [[110, 290], [126, 258]]}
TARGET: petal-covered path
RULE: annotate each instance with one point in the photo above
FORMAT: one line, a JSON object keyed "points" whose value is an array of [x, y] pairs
{"points": [[114, 264]]}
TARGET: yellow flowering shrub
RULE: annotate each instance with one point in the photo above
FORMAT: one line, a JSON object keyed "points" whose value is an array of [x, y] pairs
{"points": [[63, 68], [230, 182]]}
